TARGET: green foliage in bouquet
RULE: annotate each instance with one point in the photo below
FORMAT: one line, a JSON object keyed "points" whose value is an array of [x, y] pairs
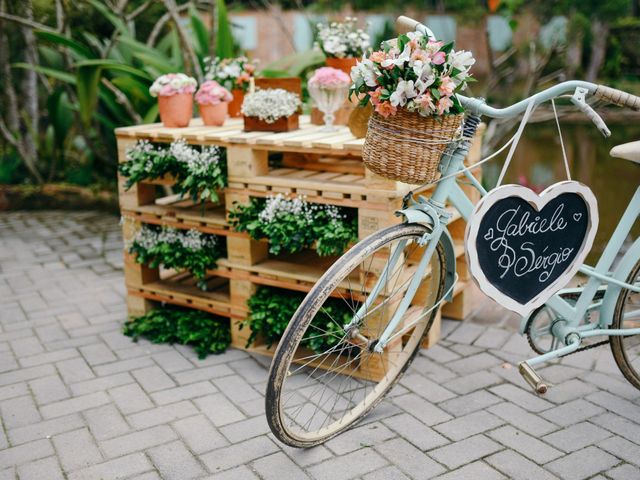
{"points": [[206, 333], [199, 173], [293, 224], [271, 310], [178, 249]]}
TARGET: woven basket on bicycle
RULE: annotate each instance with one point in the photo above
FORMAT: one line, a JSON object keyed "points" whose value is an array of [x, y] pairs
{"points": [[407, 146]]}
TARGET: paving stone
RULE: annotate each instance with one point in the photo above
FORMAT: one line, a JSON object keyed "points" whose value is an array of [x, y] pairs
{"points": [[106, 422], [307, 456], [572, 412], [48, 357], [469, 403], [277, 467], [474, 471], [615, 404], [122, 366], [523, 399], [423, 410], [47, 468], [152, 379], [75, 370], [114, 469], [100, 384], [520, 418], [192, 390], [525, 444], [175, 462], [624, 472], [465, 451], [576, 437], [171, 361], [492, 338], [623, 449], [365, 436], [159, 415], [199, 434], [473, 381], [351, 465], [238, 454], [440, 354], [24, 347], [130, 398], [12, 391], [618, 425], [569, 390], [207, 373], [72, 405], [416, 432], [45, 429], [48, 389], [387, 473], [240, 473], [517, 467], [409, 459], [236, 388], [19, 411], [468, 425], [427, 389], [466, 333], [245, 429], [219, 410], [582, 464], [76, 449], [26, 453], [474, 363], [97, 354]]}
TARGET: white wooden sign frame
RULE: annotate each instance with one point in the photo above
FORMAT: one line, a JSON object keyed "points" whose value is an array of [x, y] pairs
{"points": [[538, 202]]}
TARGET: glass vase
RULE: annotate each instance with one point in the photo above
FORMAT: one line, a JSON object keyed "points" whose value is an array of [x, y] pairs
{"points": [[328, 100]]}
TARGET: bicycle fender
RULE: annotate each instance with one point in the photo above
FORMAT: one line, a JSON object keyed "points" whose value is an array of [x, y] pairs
{"points": [[416, 216], [621, 273]]}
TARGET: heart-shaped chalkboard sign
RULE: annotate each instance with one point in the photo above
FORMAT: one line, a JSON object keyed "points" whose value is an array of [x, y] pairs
{"points": [[523, 247]]}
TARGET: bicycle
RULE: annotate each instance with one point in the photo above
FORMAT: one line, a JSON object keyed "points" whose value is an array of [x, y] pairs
{"points": [[307, 403]]}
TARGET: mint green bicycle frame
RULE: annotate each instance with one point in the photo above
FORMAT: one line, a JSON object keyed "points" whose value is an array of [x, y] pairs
{"points": [[431, 212]]}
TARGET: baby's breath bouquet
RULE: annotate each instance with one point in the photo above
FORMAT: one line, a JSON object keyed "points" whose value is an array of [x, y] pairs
{"points": [[199, 172], [293, 224], [271, 104], [189, 250], [414, 73], [342, 39]]}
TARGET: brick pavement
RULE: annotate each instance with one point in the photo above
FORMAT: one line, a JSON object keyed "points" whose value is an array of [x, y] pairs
{"points": [[80, 401]]}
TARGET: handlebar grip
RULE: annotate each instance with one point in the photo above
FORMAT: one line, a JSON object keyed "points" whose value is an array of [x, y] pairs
{"points": [[618, 97], [406, 24]]}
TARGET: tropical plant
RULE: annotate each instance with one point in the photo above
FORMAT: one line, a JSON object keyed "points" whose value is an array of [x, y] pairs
{"points": [[293, 224], [206, 333]]}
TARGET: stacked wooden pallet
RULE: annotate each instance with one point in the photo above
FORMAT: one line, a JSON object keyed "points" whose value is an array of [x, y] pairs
{"points": [[324, 167]]}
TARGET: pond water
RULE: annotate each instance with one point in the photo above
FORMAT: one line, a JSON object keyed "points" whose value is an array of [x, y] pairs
{"points": [[538, 163]]}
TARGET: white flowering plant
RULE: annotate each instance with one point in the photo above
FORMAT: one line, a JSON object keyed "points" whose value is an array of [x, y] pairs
{"points": [[172, 84], [198, 172], [414, 73], [231, 73], [271, 104], [342, 39], [189, 250], [293, 224]]}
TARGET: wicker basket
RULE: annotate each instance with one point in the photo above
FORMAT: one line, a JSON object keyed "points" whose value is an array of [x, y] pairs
{"points": [[407, 146]]}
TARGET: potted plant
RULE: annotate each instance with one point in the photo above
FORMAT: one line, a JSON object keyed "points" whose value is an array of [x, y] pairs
{"points": [[213, 102], [271, 110], [175, 98], [411, 83], [343, 43], [235, 75], [329, 88]]}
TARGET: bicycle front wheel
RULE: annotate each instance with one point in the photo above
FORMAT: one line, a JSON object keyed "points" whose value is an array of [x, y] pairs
{"points": [[326, 373]]}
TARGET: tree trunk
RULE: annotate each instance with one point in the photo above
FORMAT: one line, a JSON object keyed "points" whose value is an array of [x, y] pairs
{"points": [[599, 34], [574, 55], [213, 31]]}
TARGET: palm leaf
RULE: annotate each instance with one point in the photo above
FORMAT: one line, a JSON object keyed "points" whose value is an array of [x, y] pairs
{"points": [[77, 49], [224, 37]]}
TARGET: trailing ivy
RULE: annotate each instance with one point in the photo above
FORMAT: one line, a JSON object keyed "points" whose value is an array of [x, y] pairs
{"points": [[206, 333], [293, 224], [271, 309], [189, 250], [199, 172]]}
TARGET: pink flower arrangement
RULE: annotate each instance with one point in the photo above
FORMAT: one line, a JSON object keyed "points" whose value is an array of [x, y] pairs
{"points": [[172, 84], [212, 93], [415, 73], [327, 77]]}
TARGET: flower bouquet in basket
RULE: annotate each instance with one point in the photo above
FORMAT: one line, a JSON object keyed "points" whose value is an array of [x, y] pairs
{"points": [[235, 75], [411, 83], [271, 110], [343, 43], [175, 98]]}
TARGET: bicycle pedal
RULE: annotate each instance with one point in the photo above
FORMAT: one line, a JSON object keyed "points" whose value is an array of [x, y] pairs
{"points": [[532, 378]]}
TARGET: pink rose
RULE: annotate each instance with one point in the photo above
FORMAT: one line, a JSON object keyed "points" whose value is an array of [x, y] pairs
{"points": [[328, 77], [212, 93]]}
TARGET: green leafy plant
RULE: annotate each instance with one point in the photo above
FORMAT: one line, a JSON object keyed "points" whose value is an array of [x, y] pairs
{"points": [[293, 224], [199, 173], [205, 332], [172, 248], [271, 310]]}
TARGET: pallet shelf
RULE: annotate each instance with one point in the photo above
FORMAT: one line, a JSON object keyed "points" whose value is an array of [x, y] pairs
{"points": [[324, 167]]}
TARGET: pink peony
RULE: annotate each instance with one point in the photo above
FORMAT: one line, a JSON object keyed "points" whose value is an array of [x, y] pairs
{"points": [[385, 109], [328, 77], [212, 93]]}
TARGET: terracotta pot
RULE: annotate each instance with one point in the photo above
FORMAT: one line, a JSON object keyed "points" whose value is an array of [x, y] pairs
{"points": [[283, 124], [343, 64], [176, 110], [213, 115], [236, 104]]}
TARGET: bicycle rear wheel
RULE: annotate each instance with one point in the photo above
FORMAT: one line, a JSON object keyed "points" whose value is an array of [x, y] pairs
{"points": [[325, 377]]}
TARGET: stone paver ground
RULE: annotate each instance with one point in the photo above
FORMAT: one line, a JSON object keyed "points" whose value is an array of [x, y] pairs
{"points": [[78, 400]]}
